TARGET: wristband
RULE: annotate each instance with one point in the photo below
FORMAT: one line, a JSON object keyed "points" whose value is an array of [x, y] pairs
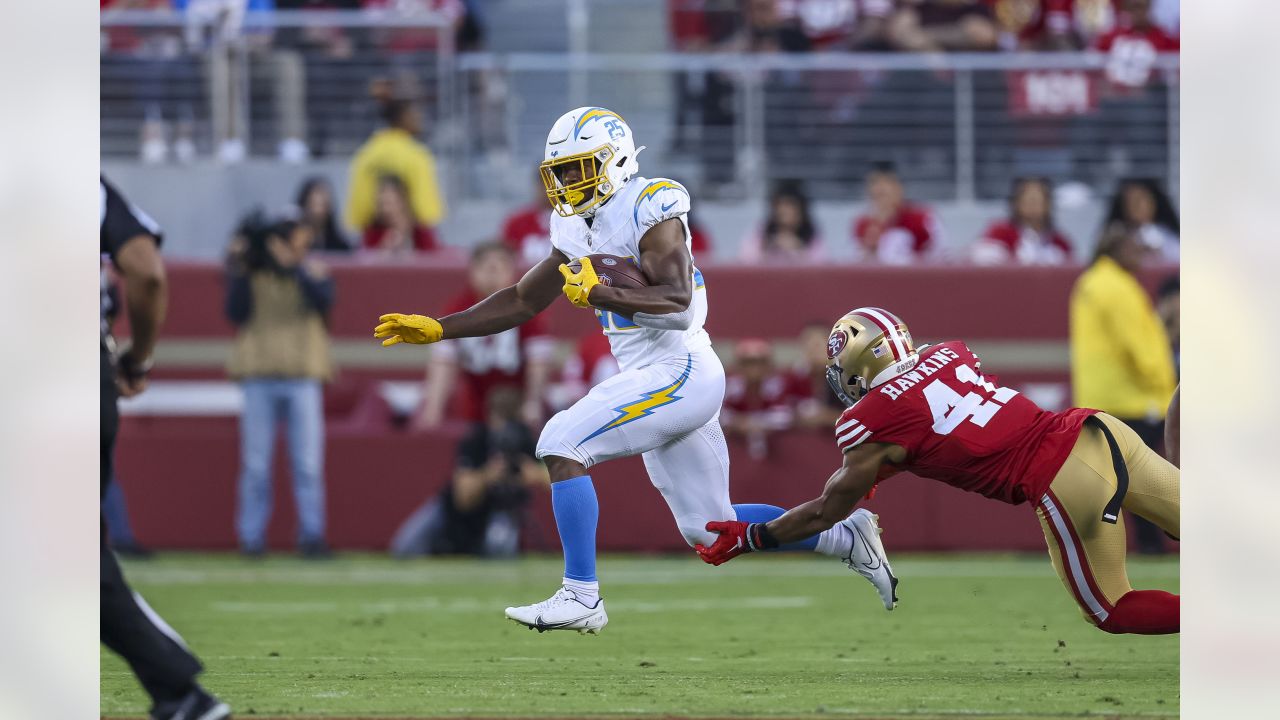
{"points": [[759, 538], [133, 370]]}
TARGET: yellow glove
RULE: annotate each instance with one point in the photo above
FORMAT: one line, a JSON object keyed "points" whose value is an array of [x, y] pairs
{"points": [[416, 329], [577, 286]]}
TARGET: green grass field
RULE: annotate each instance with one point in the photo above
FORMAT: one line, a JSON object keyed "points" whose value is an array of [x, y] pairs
{"points": [[792, 636]]}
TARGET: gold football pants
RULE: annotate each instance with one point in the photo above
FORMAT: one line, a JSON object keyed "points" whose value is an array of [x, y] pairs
{"points": [[1088, 553]]}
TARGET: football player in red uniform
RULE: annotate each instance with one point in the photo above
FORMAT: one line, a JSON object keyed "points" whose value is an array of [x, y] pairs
{"points": [[930, 411]]}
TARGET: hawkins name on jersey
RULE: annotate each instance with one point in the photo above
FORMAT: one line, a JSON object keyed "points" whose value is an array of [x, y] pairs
{"points": [[616, 229]]}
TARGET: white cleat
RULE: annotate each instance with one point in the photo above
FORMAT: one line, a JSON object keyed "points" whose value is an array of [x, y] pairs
{"points": [[867, 556], [562, 611]]}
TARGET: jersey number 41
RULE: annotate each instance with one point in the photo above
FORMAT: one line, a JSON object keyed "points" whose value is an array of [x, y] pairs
{"points": [[950, 408]]}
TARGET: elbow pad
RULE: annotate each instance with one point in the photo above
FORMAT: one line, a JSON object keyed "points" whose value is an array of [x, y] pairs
{"points": [[670, 321]]}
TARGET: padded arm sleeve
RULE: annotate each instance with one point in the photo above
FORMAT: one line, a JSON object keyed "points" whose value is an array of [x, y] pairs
{"points": [[671, 321]]}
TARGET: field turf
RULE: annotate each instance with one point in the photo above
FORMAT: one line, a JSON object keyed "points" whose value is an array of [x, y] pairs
{"points": [[975, 636]]}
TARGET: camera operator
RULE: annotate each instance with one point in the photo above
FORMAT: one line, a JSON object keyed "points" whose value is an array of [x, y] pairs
{"points": [[479, 512], [157, 655], [279, 299]]}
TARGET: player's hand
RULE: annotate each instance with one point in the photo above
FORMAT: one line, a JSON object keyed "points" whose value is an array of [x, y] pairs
{"points": [[416, 329], [577, 286], [731, 543]]}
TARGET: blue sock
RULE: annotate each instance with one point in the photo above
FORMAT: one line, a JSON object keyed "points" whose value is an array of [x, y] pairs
{"points": [[757, 513], [576, 510]]}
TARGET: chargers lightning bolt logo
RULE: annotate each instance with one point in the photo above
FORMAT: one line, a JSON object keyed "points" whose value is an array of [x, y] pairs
{"points": [[649, 191], [648, 402]]}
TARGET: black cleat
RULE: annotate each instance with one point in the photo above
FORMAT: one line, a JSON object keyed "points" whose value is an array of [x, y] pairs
{"points": [[196, 705]]}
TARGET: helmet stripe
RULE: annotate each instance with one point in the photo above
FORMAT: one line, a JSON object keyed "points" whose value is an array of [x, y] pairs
{"points": [[881, 319]]}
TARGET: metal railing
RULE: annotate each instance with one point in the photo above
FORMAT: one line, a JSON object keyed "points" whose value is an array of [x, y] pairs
{"points": [[956, 126]]}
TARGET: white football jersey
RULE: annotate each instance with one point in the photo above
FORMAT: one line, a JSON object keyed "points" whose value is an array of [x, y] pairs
{"points": [[616, 230]]}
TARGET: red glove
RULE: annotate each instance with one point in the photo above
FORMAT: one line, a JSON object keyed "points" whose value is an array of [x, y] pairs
{"points": [[731, 543]]}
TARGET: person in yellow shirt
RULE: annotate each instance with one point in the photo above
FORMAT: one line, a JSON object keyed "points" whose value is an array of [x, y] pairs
{"points": [[396, 151], [1121, 359]]}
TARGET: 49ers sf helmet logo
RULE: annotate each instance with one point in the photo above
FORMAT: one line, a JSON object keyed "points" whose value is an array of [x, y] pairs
{"points": [[836, 343]]}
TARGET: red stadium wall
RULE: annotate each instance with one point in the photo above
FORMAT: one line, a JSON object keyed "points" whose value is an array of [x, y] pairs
{"points": [[180, 473]]}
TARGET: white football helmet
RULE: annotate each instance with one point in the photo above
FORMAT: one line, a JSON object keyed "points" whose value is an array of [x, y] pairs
{"points": [[599, 143]]}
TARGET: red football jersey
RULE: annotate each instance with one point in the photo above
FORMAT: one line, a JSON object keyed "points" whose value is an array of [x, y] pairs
{"points": [[1026, 246], [963, 429], [908, 236], [485, 363]]}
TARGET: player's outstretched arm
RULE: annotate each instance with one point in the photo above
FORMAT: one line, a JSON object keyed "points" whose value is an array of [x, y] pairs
{"points": [[843, 490], [510, 306], [665, 260], [500, 311]]}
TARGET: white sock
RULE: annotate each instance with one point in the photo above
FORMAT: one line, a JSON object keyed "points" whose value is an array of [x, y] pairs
{"points": [[836, 542], [588, 591]]}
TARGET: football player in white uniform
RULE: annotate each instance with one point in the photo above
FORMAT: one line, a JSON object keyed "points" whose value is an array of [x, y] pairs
{"points": [[665, 403]]}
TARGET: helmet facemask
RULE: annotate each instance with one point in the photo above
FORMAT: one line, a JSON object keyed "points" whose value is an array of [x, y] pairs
{"points": [[583, 196], [848, 392]]}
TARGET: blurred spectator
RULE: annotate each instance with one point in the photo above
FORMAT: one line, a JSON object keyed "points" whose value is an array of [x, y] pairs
{"points": [[394, 228], [816, 405], [1168, 306], [331, 40], [942, 25], [465, 29], [527, 231], [1043, 25], [893, 231], [475, 367], [788, 234], [1121, 360], [1028, 236], [394, 151], [315, 201], [757, 398], [765, 30], [840, 24], [1093, 19], [279, 301], [1142, 205], [479, 511], [590, 364], [1132, 47]]}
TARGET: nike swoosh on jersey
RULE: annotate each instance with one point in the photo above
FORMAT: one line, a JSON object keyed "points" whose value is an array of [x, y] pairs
{"points": [[669, 206]]}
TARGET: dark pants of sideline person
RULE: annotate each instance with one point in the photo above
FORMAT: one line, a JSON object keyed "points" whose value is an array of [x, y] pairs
{"points": [[129, 627], [1150, 538]]}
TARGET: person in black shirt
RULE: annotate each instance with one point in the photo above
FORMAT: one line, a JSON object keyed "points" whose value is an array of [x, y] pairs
{"points": [[129, 627], [479, 511]]}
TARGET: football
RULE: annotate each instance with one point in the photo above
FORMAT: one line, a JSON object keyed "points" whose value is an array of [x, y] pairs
{"points": [[615, 271]]}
